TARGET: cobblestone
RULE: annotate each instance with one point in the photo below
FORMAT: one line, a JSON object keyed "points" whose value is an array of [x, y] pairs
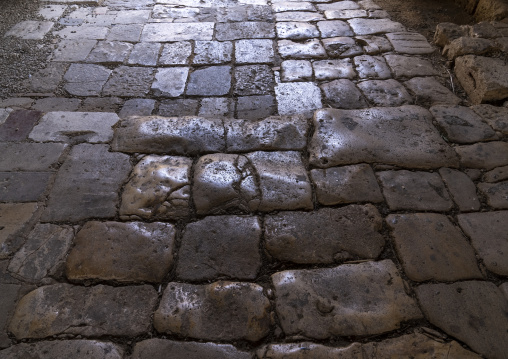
{"points": [[79, 349]]}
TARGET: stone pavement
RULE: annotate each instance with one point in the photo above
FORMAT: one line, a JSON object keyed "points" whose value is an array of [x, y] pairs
{"points": [[248, 179]]}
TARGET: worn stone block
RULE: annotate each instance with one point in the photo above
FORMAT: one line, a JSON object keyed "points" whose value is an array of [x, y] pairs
{"points": [[345, 14], [427, 90], [373, 45], [407, 67], [255, 107], [170, 82], [334, 28], [339, 5], [89, 32], [78, 349], [296, 70], [73, 50], [496, 193], [18, 125], [333, 69], [127, 81], [216, 107], [144, 54], [296, 30], [298, 98], [30, 30], [129, 33], [51, 104], [372, 67], [253, 80], [179, 107], [467, 46], [176, 53], [14, 220], [309, 49], [410, 43], [212, 52], [387, 93], [20, 156], [254, 51], [496, 117], [446, 32], [210, 81], [164, 32], [461, 188], [342, 47], [86, 79], [48, 78], [486, 155], [491, 10], [244, 30], [343, 93], [132, 16], [308, 350], [51, 12], [374, 26], [496, 175], [137, 107], [23, 186]]}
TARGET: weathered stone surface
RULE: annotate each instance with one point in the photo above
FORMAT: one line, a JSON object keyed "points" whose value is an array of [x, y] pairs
{"points": [[372, 67], [179, 107], [175, 135], [373, 45], [322, 303], [344, 94], [296, 30], [272, 133], [461, 188], [164, 32], [110, 52], [51, 12], [304, 16], [254, 51], [4, 113], [130, 32], [491, 10], [432, 248], [158, 187], [333, 69], [461, 124], [217, 311], [137, 107], [123, 252], [446, 32], [73, 50], [345, 14], [18, 125], [86, 79], [19, 156], [496, 175], [474, 312], [467, 46], [128, 81], [220, 246], [307, 350], [342, 47], [132, 16], [348, 184], [78, 349], [244, 30], [170, 82], [212, 52], [281, 6], [414, 191], [325, 236], [253, 80], [48, 78], [51, 104], [389, 93], [210, 81], [298, 98], [296, 70], [496, 117], [409, 43], [339, 5], [14, 218], [88, 311], [87, 184], [159, 349], [255, 107], [30, 30], [334, 28], [488, 231], [374, 26], [428, 90], [407, 67], [144, 54], [378, 135], [311, 48], [496, 193], [23, 186], [176, 53], [483, 78], [283, 181], [216, 107], [92, 127], [486, 155], [8, 299], [43, 253]]}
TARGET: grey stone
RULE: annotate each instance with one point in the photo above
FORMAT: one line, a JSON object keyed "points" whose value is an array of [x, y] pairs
{"points": [[73, 50], [144, 54], [93, 311], [374, 26], [92, 127], [372, 67], [281, 6], [343, 93], [210, 81], [16, 103], [180, 107], [389, 93], [373, 45], [428, 90], [298, 98], [81, 32], [407, 67], [19, 123], [20, 156], [295, 70], [325, 236], [379, 135], [301, 50], [159, 348], [224, 310], [123, 252], [127, 81], [479, 320], [86, 79], [30, 30], [345, 14], [216, 107], [334, 28], [212, 52], [129, 33], [310, 302], [51, 104], [339, 5], [76, 196], [48, 79], [333, 69], [23, 186], [220, 246], [487, 155], [170, 82], [137, 107], [255, 107], [467, 46], [101, 104], [461, 188], [43, 253], [15, 218], [51, 12], [254, 51], [432, 248], [305, 350], [110, 52], [132, 16], [164, 32], [4, 114], [342, 47], [496, 193], [176, 53], [244, 30], [296, 30], [253, 80], [347, 184], [414, 191], [496, 175], [298, 16], [409, 43], [8, 300], [496, 117], [158, 187], [78, 349]]}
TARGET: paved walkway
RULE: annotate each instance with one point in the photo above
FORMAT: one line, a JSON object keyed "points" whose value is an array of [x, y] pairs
{"points": [[311, 188]]}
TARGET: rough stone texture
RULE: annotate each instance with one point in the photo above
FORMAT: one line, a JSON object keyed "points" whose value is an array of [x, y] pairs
{"points": [[170, 82], [298, 16], [176, 53], [52, 104], [73, 50], [158, 187], [410, 43], [432, 248], [374, 26], [8, 299], [92, 127], [296, 30], [43, 252], [159, 349], [88, 311], [216, 107], [496, 117], [325, 236], [496, 193], [496, 175], [255, 107], [343, 94], [488, 234], [101, 104], [298, 98], [373, 45], [483, 78], [174, 135], [18, 125], [224, 246], [306, 350], [217, 311], [85, 31], [461, 124], [164, 32], [77, 349], [19, 156], [334, 28], [446, 32], [110, 52], [212, 52], [473, 312], [210, 81], [346, 184], [244, 30], [78, 193], [372, 67], [322, 303], [333, 69], [427, 90], [389, 93], [491, 10], [180, 107], [461, 188], [414, 191], [137, 107], [296, 70], [23, 186], [253, 80], [14, 219], [342, 47], [309, 49], [468, 46], [486, 155], [144, 54], [407, 67], [30, 30], [254, 51], [86, 79], [402, 136], [124, 252], [128, 81]]}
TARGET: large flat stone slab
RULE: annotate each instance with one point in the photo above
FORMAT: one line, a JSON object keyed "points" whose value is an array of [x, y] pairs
{"points": [[165, 32], [402, 136], [77, 349], [374, 26], [14, 218], [23, 186], [30, 30]]}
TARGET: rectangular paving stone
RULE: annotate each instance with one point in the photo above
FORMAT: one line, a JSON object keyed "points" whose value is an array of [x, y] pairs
{"points": [[87, 311], [47, 79], [51, 12], [483, 155], [372, 67], [254, 51], [170, 82], [82, 32], [297, 98], [333, 69], [110, 52], [73, 50], [336, 303], [281, 6], [216, 107], [23, 186], [255, 107], [296, 30], [86, 79], [410, 43], [128, 33], [342, 46], [303, 16], [164, 32], [343, 93], [210, 81], [30, 30], [18, 125], [212, 52], [297, 50], [294, 70], [334, 28], [144, 54], [87, 184], [429, 91], [127, 81], [176, 53], [14, 219], [496, 194], [380, 135], [461, 188], [34, 157], [385, 93], [406, 66], [158, 348], [374, 26], [77, 349], [345, 14], [253, 80], [132, 16], [244, 30], [339, 5], [51, 104]]}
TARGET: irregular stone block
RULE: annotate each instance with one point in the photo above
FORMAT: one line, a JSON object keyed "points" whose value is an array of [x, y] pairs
{"points": [[322, 303], [303, 16], [30, 30], [374, 26], [220, 246], [339, 5], [23, 186], [51, 12], [170, 81], [255, 107], [496, 117], [110, 52], [334, 28], [124, 252], [325, 236], [176, 53], [137, 107], [333, 69], [73, 50], [292, 6], [296, 50], [212, 52], [345, 137], [446, 32], [166, 32], [176, 135], [78, 349], [87, 184], [491, 10], [18, 125], [296, 30], [158, 187], [254, 80], [216, 107], [180, 107], [348, 184], [86, 79], [132, 16], [92, 127], [10, 293], [345, 14], [342, 47], [410, 66], [222, 310], [130, 32], [473, 312], [496, 193], [428, 90], [461, 188], [144, 54], [486, 155], [308, 350], [127, 81], [14, 219], [244, 30], [298, 98], [496, 175], [159, 348], [254, 51], [210, 81], [485, 79], [20, 156], [373, 45], [343, 94], [296, 70], [51, 104], [386, 93], [467, 46], [48, 79], [410, 43], [372, 67], [87, 311]]}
